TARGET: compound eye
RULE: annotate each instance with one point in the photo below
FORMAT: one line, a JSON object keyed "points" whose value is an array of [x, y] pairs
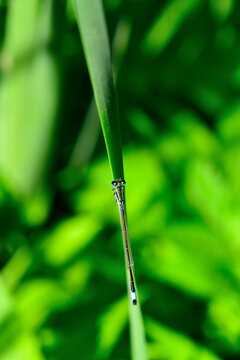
{"points": [[114, 183], [123, 182]]}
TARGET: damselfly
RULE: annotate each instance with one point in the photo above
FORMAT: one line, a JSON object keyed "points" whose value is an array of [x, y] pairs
{"points": [[119, 193]]}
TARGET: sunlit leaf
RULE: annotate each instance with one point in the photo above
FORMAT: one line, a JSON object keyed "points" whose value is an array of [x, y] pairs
{"points": [[111, 325], [174, 346]]}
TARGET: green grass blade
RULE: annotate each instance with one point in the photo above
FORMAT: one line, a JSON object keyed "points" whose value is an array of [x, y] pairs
{"points": [[138, 341], [94, 37], [93, 32], [137, 331]]}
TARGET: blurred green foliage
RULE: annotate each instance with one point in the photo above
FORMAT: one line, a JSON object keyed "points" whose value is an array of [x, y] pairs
{"points": [[62, 281]]}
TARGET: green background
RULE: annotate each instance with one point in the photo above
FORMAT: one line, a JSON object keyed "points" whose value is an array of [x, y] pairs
{"points": [[62, 282]]}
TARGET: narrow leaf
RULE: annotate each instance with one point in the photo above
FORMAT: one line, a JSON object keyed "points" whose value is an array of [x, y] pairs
{"points": [[93, 33], [96, 47]]}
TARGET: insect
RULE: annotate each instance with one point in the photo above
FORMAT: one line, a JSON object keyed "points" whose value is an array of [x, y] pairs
{"points": [[119, 193]]}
